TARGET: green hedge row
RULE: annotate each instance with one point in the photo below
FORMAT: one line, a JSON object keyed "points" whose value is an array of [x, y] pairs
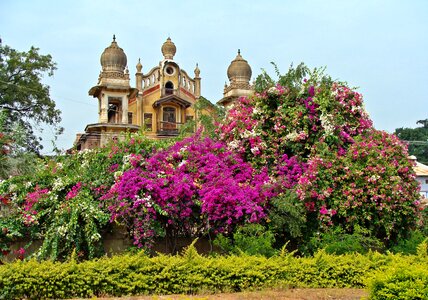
{"points": [[190, 273]]}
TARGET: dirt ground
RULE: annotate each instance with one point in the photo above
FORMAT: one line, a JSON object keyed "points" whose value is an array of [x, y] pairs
{"points": [[290, 294]]}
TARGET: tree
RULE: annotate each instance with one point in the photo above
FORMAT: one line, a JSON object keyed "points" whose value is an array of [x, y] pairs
{"points": [[24, 99], [417, 138]]}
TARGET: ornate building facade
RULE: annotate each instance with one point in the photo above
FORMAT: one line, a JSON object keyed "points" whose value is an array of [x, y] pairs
{"points": [[161, 102]]}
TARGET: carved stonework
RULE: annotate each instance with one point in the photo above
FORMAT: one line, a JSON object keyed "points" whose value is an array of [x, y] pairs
{"points": [[237, 85], [114, 75]]}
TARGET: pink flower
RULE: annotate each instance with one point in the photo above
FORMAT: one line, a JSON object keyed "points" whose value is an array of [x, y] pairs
{"points": [[323, 210], [74, 191]]}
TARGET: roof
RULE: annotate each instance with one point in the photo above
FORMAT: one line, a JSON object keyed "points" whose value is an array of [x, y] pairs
{"points": [[172, 99], [421, 169]]}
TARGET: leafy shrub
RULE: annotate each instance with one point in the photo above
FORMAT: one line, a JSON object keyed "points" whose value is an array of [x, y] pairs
{"points": [[252, 239], [400, 281], [192, 273], [338, 242], [409, 245]]}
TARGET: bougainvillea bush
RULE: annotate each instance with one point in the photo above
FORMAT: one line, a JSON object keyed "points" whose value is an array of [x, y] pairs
{"points": [[371, 185], [353, 175], [192, 188], [59, 203]]}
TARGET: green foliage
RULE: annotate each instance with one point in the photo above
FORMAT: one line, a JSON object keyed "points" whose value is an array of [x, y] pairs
{"points": [[60, 204], [287, 216], [251, 239], [13, 161], [409, 245], [23, 97], [207, 116], [401, 281], [192, 273], [417, 139], [336, 241]]}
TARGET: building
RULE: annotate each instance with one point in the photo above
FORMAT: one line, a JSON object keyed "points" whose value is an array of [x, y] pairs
{"points": [[421, 172], [239, 74], [161, 101]]}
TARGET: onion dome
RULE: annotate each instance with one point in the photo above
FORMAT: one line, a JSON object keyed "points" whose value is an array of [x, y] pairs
{"points": [[168, 49], [113, 58], [139, 66], [239, 69], [197, 71]]}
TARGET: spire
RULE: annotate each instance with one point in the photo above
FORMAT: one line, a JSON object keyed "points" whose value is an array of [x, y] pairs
{"points": [[197, 71], [139, 66]]}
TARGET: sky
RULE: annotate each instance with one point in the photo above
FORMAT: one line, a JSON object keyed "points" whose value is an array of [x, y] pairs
{"points": [[379, 46]]}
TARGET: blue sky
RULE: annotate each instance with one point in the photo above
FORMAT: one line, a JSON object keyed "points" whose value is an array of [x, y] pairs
{"points": [[379, 46]]}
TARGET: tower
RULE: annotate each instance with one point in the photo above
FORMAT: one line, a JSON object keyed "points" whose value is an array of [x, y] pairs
{"points": [[166, 95], [113, 93], [239, 74]]}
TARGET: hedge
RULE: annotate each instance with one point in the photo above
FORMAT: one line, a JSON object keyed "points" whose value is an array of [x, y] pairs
{"points": [[190, 273]]}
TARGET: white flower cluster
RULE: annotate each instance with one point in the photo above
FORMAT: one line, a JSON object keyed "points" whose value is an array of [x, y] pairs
{"points": [[234, 144], [246, 134], [148, 202], [273, 91], [62, 230], [12, 188], [86, 156], [117, 174], [95, 237], [58, 184], [327, 124], [255, 150], [292, 136]]}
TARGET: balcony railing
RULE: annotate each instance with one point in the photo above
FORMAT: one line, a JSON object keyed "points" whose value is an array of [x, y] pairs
{"points": [[168, 128], [167, 92]]}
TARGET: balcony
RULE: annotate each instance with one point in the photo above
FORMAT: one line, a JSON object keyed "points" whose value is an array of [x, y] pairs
{"points": [[168, 128], [168, 91]]}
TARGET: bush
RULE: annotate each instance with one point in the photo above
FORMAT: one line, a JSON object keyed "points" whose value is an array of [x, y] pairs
{"points": [[252, 239], [338, 242], [410, 245], [192, 273], [401, 282]]}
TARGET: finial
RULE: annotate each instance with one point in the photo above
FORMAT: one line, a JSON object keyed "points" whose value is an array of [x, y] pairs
{"points": [[139, 66], [239, 51], [114, 38]]}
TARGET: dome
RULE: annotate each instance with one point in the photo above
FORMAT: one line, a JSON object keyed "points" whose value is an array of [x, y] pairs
{"points": [[113, 58], [168, 49], [239, 69]]}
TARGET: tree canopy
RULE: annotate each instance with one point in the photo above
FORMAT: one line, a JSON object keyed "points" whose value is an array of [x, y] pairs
{"points": [[417, 138], [24, 98]]}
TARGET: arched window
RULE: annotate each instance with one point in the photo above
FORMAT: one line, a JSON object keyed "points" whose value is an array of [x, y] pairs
{"points": [[169, 88]]}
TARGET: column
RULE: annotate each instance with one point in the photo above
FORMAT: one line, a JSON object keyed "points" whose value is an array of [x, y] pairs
{"points": [[125, 110], [104, 109]]}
